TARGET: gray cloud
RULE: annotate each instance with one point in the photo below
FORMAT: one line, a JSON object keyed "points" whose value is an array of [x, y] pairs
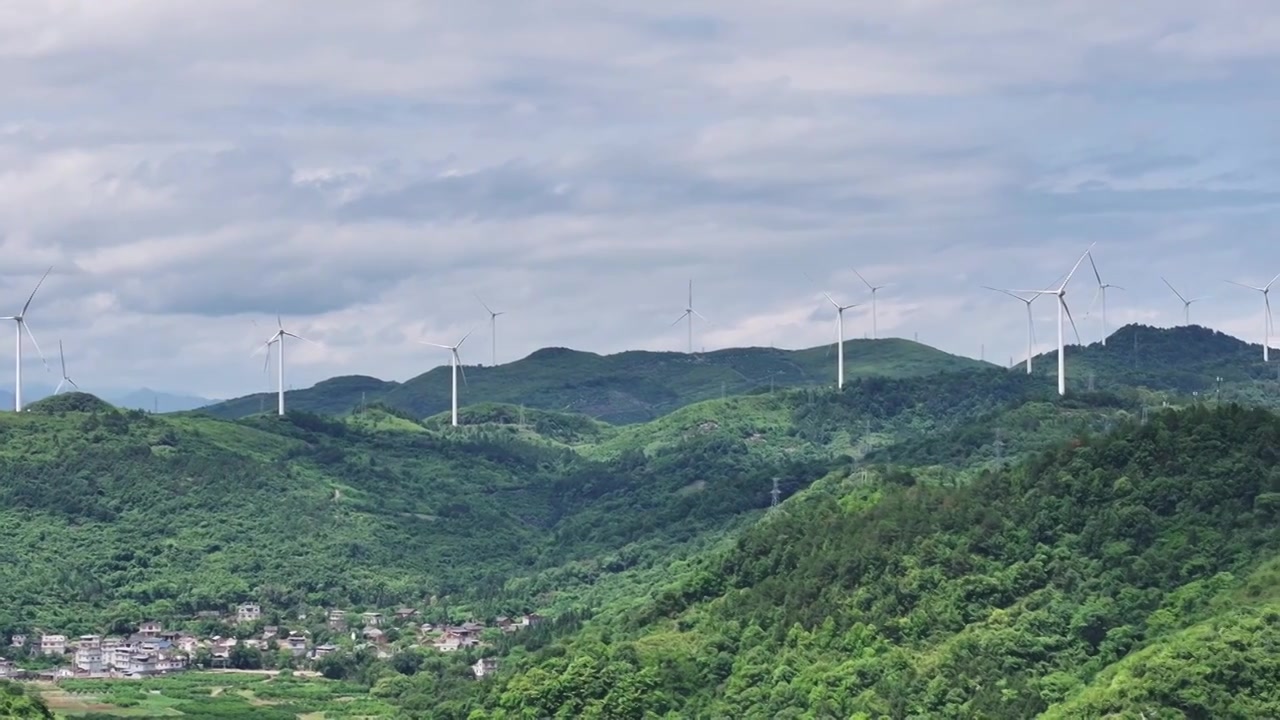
{"points": [[364, 169]]}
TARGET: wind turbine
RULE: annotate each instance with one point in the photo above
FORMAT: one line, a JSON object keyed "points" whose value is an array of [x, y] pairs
{"points": [[873, 289], [66, 379], [688, 313], [1061, 294], [1101, 293], [1031, 325], [1266, 317], [493, 328], [839, 338], [20, 321], [278, 338], [1186, 304], [455, 363]]}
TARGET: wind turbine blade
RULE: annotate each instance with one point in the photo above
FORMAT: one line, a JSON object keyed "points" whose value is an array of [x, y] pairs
{"points": [[678, 320], [73, 383], [829, 298], [27, 327], [446, 347], [1094, 301], [33, 292], [464, 338], [279, 322], [286, 332], [462, 369], [1094, 265], [266, 362], [1006, 292], [1116, 287], [63, 358], [1277, 277], [1233, 282], [59, 388], [1066, 308], [1175, 290], [695, 312], [486, 307], [864, 280], [1076, 267]]}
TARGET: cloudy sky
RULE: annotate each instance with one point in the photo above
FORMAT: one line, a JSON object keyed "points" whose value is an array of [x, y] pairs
{"points": [[193, 168]]}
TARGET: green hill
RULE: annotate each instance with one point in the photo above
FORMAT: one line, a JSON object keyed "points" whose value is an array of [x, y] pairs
{"points": [[1181, 360], [1118, 574], [624, 388]]}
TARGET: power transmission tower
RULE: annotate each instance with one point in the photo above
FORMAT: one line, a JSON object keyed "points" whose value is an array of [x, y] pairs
{"points": [[774, 494]]}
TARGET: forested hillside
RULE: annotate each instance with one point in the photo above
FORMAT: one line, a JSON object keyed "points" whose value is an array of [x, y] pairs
{"points": [[624, 388], [1119, 574]]}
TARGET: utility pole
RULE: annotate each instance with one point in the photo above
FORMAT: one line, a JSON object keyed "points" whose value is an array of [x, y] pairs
{"points": [[773, 495], [999, 446], [1217, 393]]}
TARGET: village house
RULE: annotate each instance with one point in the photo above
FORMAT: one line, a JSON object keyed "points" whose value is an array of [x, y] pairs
{"points": [[296, 644], [90, 659], [89, 642], [324, 650], [8, 669], [18, 641], [188, 644], [373, 619], [405, 613], [530, 620], [248, 612], [373, 634], [151, 629], [270, 631], [337, 619], [484, 667], [209, 615], [53, 644]]}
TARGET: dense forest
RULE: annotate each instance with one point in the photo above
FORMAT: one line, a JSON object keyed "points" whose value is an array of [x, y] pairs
{"points": [[946, 544]]}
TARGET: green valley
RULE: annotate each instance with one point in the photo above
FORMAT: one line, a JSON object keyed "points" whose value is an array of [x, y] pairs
{"points": [[950, 541]]}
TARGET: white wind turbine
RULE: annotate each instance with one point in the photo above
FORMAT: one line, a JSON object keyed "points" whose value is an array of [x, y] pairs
{"points": [[1031, 325], [455, 363], [1186, 304], [21, 324], [874, 311], [66, 379], [1101, 293], [688, 313], [1266, 317], [493, 329], [1061, 294], [277, 338], [839, 337]]}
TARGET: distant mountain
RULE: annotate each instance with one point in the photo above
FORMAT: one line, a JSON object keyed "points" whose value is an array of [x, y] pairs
{"points": [[627, 387], [143, 399], [157, 401]]}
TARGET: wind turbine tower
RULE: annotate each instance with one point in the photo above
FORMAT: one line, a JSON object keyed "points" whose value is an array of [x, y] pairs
{"points": [[874, 310], [1064, 313], [1186, 304], [1031, 325], [839, 338], [1266, 314], [20, 322], [493, 329], [455, 364], [66, 379], [277, 338], [1101, 293], [688, 314]]}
